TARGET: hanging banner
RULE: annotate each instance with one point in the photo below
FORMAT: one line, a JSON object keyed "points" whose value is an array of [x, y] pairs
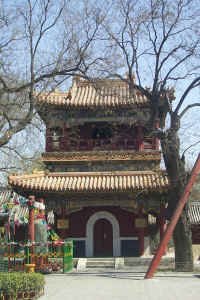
{"points": [[68, 256]]}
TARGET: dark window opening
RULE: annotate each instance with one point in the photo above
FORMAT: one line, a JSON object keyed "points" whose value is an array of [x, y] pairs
{"points": [[102, 133], [56, 131]]}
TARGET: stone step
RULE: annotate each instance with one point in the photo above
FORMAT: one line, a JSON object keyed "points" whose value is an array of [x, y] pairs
{"points": [[101, 259], [100, 266], [144, 261], [119, 262], [96, 262]]}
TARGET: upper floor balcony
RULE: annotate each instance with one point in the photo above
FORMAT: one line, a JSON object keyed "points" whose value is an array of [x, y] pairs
{"points": [[99, 137], [62, 144]]}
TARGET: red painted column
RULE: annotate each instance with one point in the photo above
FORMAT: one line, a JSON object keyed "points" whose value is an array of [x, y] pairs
{"points": [[140, 136], [113, 143], [31, 218], [31, 201], [90, 144], [156, 140]]}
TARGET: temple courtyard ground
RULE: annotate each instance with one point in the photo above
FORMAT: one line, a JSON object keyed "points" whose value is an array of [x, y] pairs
{"points": [[127, 284]]}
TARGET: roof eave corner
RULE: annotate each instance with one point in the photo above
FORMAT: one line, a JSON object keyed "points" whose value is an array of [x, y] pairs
{"points": [[75, 80], [11, 178]]}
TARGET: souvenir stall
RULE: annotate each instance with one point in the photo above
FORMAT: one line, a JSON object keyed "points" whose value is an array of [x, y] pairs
{"points": [[27, 236]]}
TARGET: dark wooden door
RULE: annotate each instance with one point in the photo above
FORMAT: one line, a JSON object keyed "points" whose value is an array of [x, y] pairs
{"points": [[103, 238]]}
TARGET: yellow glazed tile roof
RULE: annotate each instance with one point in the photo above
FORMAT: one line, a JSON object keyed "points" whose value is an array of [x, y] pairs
{"points": [[91, 181], [106, 93]]}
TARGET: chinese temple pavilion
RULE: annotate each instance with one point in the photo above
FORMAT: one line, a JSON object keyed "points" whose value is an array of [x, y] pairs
{"points": [[103, 176]]}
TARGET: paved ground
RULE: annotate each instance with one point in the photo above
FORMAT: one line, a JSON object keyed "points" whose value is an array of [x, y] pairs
{"points": [[126, 285]]}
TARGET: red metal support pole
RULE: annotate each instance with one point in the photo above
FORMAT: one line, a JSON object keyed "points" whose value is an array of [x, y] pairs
{"points": [[157, 257]]}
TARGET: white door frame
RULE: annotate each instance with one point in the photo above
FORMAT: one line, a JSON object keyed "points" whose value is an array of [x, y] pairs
{"points": [[90, 230]]}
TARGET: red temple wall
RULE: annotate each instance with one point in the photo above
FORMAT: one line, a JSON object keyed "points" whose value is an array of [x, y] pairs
{"points": [[78, 221]]}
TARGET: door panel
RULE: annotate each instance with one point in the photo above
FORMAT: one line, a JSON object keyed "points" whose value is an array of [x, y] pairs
{"points": [[103, 238]]}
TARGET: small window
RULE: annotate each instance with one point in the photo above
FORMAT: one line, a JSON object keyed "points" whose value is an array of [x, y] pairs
{"points": [[102, 132], [56, 131]]}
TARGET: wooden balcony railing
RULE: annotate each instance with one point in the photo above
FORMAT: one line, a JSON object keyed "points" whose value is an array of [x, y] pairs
{"points": [[61, 144]]}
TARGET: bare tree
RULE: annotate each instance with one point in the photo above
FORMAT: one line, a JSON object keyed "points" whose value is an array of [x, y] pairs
{"points": [[41, 47], [23, 152], [158, 42], [43, 43]]}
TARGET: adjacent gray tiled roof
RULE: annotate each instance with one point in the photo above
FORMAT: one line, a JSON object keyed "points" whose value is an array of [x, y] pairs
{"points": [[8, 196], [194, 212]]}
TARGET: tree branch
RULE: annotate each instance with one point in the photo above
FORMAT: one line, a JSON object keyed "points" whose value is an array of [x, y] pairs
{"points": [[188, 89], [187, 108]]}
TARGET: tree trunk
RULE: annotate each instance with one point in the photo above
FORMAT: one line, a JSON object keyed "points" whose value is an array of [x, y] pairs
{"points": [[183, 245], [178, 178]]}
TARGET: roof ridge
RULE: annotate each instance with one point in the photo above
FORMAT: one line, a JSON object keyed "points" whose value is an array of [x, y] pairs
{"points": [[25, 175], [79, 81], [100, 92]]}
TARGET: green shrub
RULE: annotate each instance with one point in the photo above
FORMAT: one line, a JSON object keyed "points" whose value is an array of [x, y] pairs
{"points": [[14, 283]]}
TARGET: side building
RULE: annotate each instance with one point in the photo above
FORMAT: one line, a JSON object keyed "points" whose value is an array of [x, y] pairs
{"points": [[103, 175]]}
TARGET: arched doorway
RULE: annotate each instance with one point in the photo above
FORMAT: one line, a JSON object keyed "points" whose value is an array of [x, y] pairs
{"points": [[103, 238], [90, 232]]}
